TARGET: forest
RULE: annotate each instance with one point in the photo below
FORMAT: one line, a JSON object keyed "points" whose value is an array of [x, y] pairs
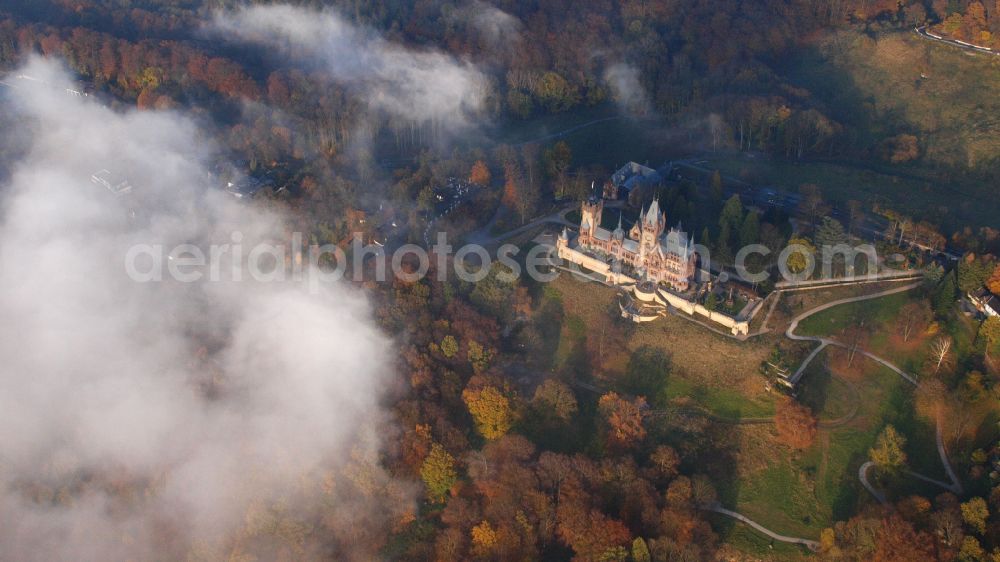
{"points": [[548, 469]]}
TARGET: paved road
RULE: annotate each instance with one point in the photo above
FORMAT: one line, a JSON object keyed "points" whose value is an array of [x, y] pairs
{"points": [[565, 132], [955, 485], [790, 333], [923, 32], [863, 477], [483, 237], [810, 544]]}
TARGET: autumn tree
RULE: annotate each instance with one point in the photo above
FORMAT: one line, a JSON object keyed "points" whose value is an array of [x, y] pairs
{"points": [[484, 539], [491, 411], [480, 173], [664, 462], [555, 400], [438, 473], [888, 454], [517, 192], [993, 283], [913, 318], [556, 161], [989, 332], [640, 552], [623, 420], [897, 541], [975, 513], [795, 423], [799, 259], [449, 346], [900, 148], [811, 205]]}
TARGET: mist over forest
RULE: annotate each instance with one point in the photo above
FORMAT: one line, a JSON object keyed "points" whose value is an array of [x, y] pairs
{"points": [[504, 419]]}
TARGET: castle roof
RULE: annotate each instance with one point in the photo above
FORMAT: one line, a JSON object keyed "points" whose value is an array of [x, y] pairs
{"points": [[677, 242], [602, 234], [653, 215], [619, 232]]}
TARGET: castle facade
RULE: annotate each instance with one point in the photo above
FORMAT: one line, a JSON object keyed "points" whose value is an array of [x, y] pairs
{"points": [[652, 251]]}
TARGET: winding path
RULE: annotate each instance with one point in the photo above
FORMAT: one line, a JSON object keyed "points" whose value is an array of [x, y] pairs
{"points": [[955, 486], [790, 333], [923, 32], [810, 544]]}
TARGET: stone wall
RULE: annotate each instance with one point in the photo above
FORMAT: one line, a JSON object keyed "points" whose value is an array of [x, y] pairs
{"points": [[736, 327]]}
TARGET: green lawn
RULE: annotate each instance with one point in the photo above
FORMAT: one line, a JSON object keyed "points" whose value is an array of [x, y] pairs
{"points": [[876, 312], [569, 306], [723, 402], [800, 493]]}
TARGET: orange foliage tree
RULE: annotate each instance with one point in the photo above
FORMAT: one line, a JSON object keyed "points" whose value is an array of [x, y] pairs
{"points": [[795, 423], [623, 420], [480, 173]]}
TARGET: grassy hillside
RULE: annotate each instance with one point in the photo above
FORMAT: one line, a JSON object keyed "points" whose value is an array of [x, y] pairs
{"points": [[880, 85], [899, 82]]}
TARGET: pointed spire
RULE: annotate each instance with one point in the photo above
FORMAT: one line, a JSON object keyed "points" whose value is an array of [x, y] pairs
{"points": [[619, 219], [653, 216]]}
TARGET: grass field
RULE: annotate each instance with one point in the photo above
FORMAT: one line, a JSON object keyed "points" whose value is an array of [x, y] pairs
{"points": [[801, 492], [888, 83], [717, 373]]}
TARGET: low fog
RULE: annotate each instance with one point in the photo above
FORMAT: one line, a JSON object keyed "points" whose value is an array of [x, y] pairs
{"points": [[417, 85], [167, 420], [627, 90]]}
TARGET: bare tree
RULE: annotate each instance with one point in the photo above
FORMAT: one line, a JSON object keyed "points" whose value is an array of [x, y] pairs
{"points": [[912, 318], [941, 353]]}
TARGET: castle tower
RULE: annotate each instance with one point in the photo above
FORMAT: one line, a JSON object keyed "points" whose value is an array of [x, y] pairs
{"points": [[653, 223], [591, 212]]}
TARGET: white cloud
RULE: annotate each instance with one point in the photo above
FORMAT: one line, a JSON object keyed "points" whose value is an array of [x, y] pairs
{"points": [[496, 25], [627, 90], [156, 420], [417, 84]]}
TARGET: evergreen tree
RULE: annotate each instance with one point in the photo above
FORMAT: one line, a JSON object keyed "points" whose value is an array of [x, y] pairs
{"points": [[750, 231], [973, 273], [715, 186], [830, 233], [732, 214], [945, 296], [723, 251]]}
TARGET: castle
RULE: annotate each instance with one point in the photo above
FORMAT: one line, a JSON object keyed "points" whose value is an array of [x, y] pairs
{"points": [[668, 259]]}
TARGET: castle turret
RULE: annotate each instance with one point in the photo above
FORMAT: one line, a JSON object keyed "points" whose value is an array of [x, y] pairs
{"points": [[591, 212], [619, 233]]}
